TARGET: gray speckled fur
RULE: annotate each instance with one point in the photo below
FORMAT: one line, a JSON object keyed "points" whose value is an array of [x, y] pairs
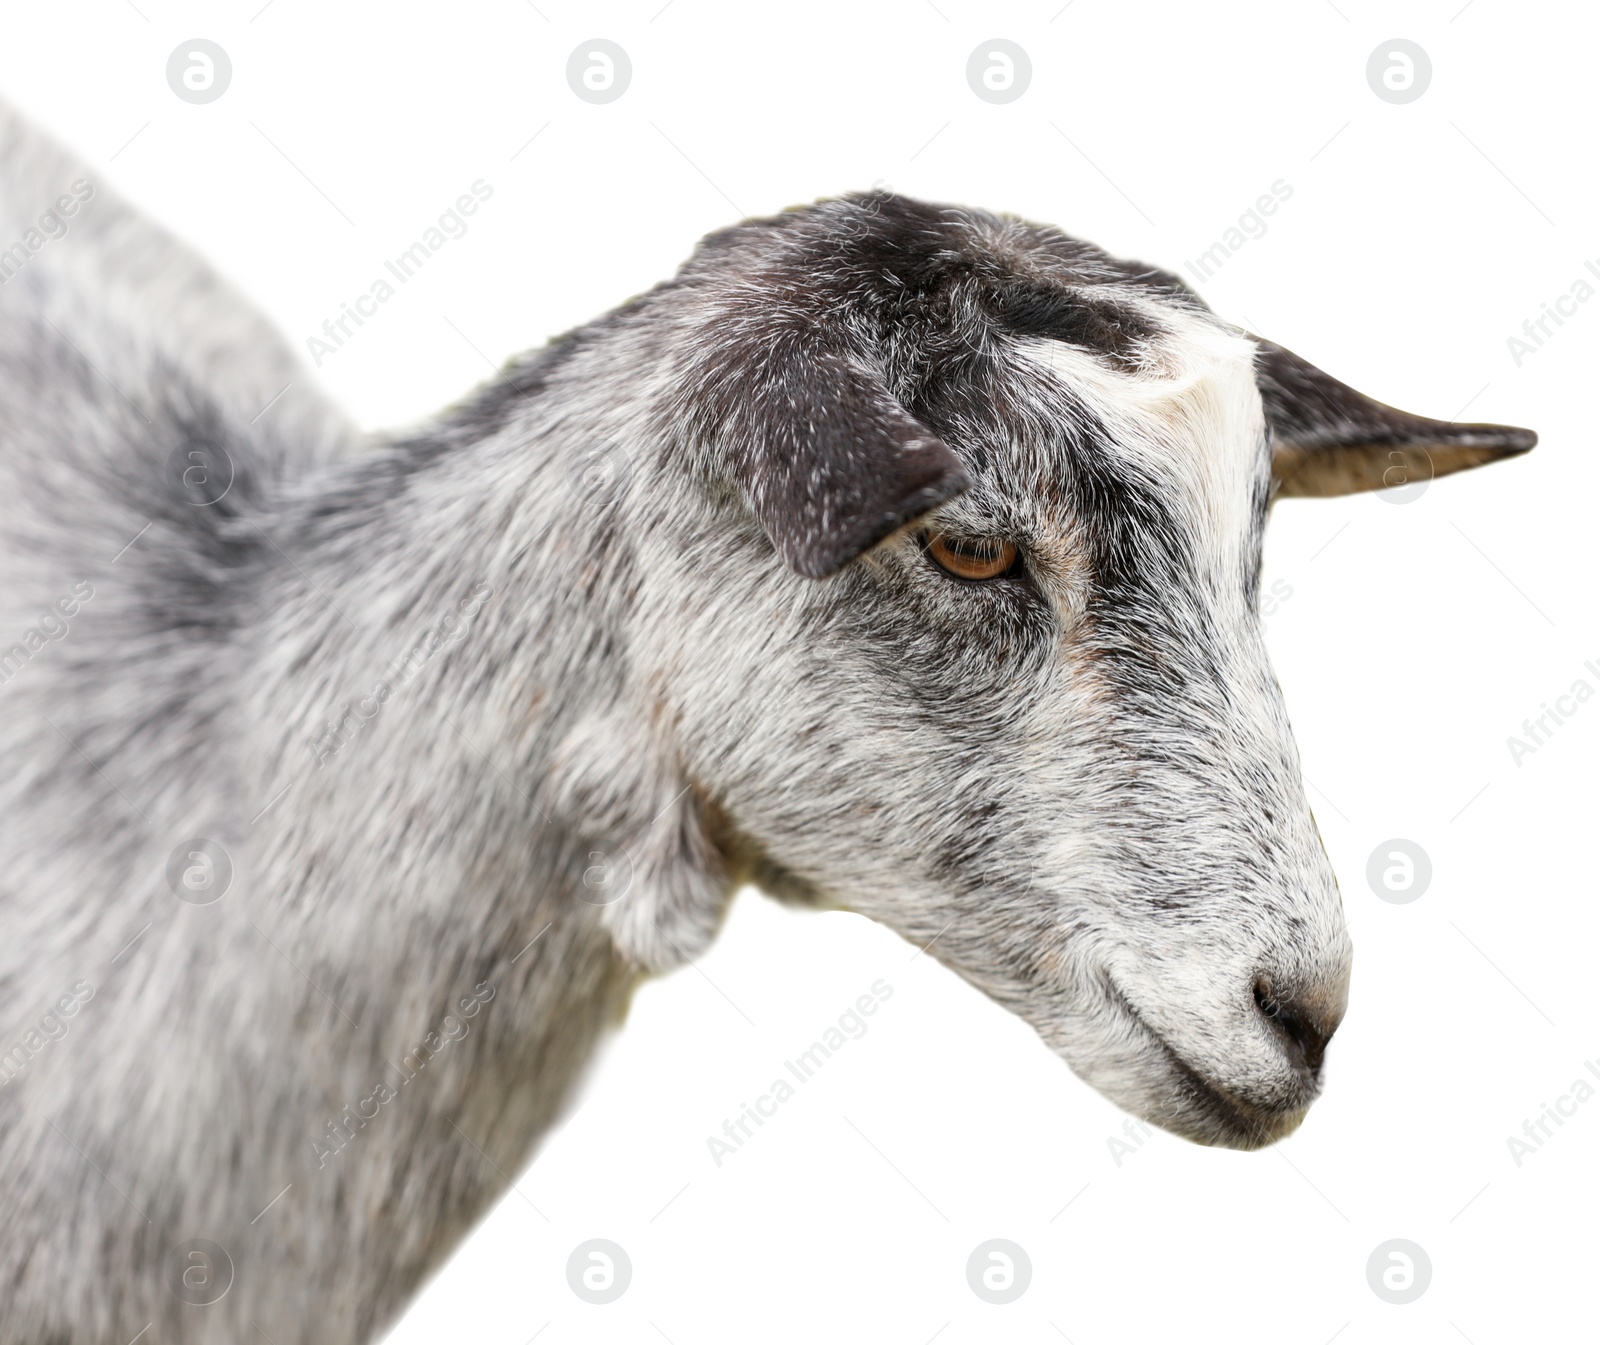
{"points": [[1081, 785]]}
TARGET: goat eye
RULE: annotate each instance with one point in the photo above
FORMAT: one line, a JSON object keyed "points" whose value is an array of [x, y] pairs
{"points": [[971, 557]]}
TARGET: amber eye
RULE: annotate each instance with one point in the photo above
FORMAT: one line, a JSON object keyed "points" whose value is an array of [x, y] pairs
{"points": [[971, 557]]}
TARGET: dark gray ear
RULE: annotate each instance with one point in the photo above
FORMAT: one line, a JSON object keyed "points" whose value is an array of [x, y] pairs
{"points": [[1329, 439], [830, 462]]}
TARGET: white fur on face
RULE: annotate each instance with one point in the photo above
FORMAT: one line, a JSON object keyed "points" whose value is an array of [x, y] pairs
{"points": [[1192, 420]]}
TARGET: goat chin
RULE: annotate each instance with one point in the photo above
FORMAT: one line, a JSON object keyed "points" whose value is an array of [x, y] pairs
{"points": [[1111, 1047]]}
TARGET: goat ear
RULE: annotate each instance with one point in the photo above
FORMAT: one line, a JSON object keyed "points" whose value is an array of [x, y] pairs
{"points": [[1329, 439], [829, 459]]}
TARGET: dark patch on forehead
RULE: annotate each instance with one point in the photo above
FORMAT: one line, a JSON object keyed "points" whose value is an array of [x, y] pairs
{"points": [[890, 265], [1033, 308], [843, 256], [1162, 284]]}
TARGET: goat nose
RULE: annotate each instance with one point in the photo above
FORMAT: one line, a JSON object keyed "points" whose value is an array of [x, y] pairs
{"points": [[1302, 1023]]}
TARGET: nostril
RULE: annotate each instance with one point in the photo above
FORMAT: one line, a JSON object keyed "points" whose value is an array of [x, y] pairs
{"points": [[1303, 1032]]}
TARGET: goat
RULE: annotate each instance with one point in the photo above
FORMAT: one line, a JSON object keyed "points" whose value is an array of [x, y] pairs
{"points": [[891, 556]]}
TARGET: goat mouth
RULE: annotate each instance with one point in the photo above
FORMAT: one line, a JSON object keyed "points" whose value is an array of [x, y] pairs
{"points": [[1204, 1111]]}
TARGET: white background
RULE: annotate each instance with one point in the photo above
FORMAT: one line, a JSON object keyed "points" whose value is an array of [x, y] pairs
{"points": [[1416, 638]]}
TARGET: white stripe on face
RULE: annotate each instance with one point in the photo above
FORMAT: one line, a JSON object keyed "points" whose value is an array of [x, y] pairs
{"points": [[1191, 419]]}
